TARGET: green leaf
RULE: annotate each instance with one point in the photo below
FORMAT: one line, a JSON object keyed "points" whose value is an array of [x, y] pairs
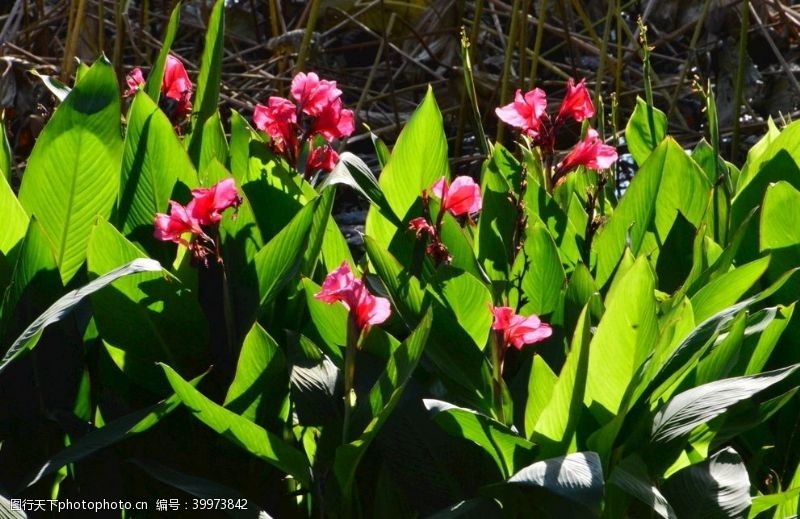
{"points": [[15, 220], [260, 382], [765, 502], [353, 172], [698, 405], [54, 85], [631, 476], [541, 384], [469, 299], [638, 133], [623, 339], [577, 477], [213, 147], [727, 289], [718, 488], [506, 448], [73, 171], [418, 160], [383, 398], [544, 277], [153, 161], [151, 318], [241, 431], [780, 212], [66, 303], [153, 86], [206, 98], [280, 259], [558, 421], [202, 488], [330, 320]]}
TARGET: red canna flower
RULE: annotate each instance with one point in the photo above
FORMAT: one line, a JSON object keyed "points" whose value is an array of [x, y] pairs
{"points": [[577, 102], [461, 197], [177, 86], [518, 330], [322, 157], [591, 153], [173, 226], [526, 112], [134, 80], [313, 94], [365, 308], [208, 203], [278, 120], [334, 122]]}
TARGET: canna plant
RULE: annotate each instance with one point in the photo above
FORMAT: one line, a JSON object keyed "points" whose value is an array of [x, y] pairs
{"points": [[182, 318]]}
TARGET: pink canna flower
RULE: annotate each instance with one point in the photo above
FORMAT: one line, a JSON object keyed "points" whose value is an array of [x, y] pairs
{"points": [[591, 153], [526, 112], [173, 226], [134, 80], [421, 226], [577, 102], [208, 203], [278, 120], [322, 157], [177, 86], [461, 197], [313, 94], [518, 330], [334, 121], [365, 308]]}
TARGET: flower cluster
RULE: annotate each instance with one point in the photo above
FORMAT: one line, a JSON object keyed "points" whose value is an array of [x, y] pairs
{"points": [[528, 112], [204, 210], [518, 330], [365, 308], [176, 87], [317, 119], [461, 198]]}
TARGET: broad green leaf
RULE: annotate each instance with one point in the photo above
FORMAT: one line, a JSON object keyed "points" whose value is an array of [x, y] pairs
{"points": [[153, 86], [66, 303], [718, 488], [544, 276], [319, 227], [768, 339], [239, 430], [720, 362], [698, 405], [330, 320], [504, 446], [639, 133], [469, 299], [203, 488], [498, 220], [353, 172], [260, 382], [280, 259], [418, 160], [213, 147], [151, 318], [383, 398], [153, 161], [727, 289], [208, 81], [623, 339], [73, 171], [541, 384], [577, 477], [779, 215], [631, 476], [558, 421], [772, 145], [762, 503], [15, 220]]}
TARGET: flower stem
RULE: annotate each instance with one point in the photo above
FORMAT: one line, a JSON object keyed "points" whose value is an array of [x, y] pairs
{"points": [[351, 348], [497, 374]]}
